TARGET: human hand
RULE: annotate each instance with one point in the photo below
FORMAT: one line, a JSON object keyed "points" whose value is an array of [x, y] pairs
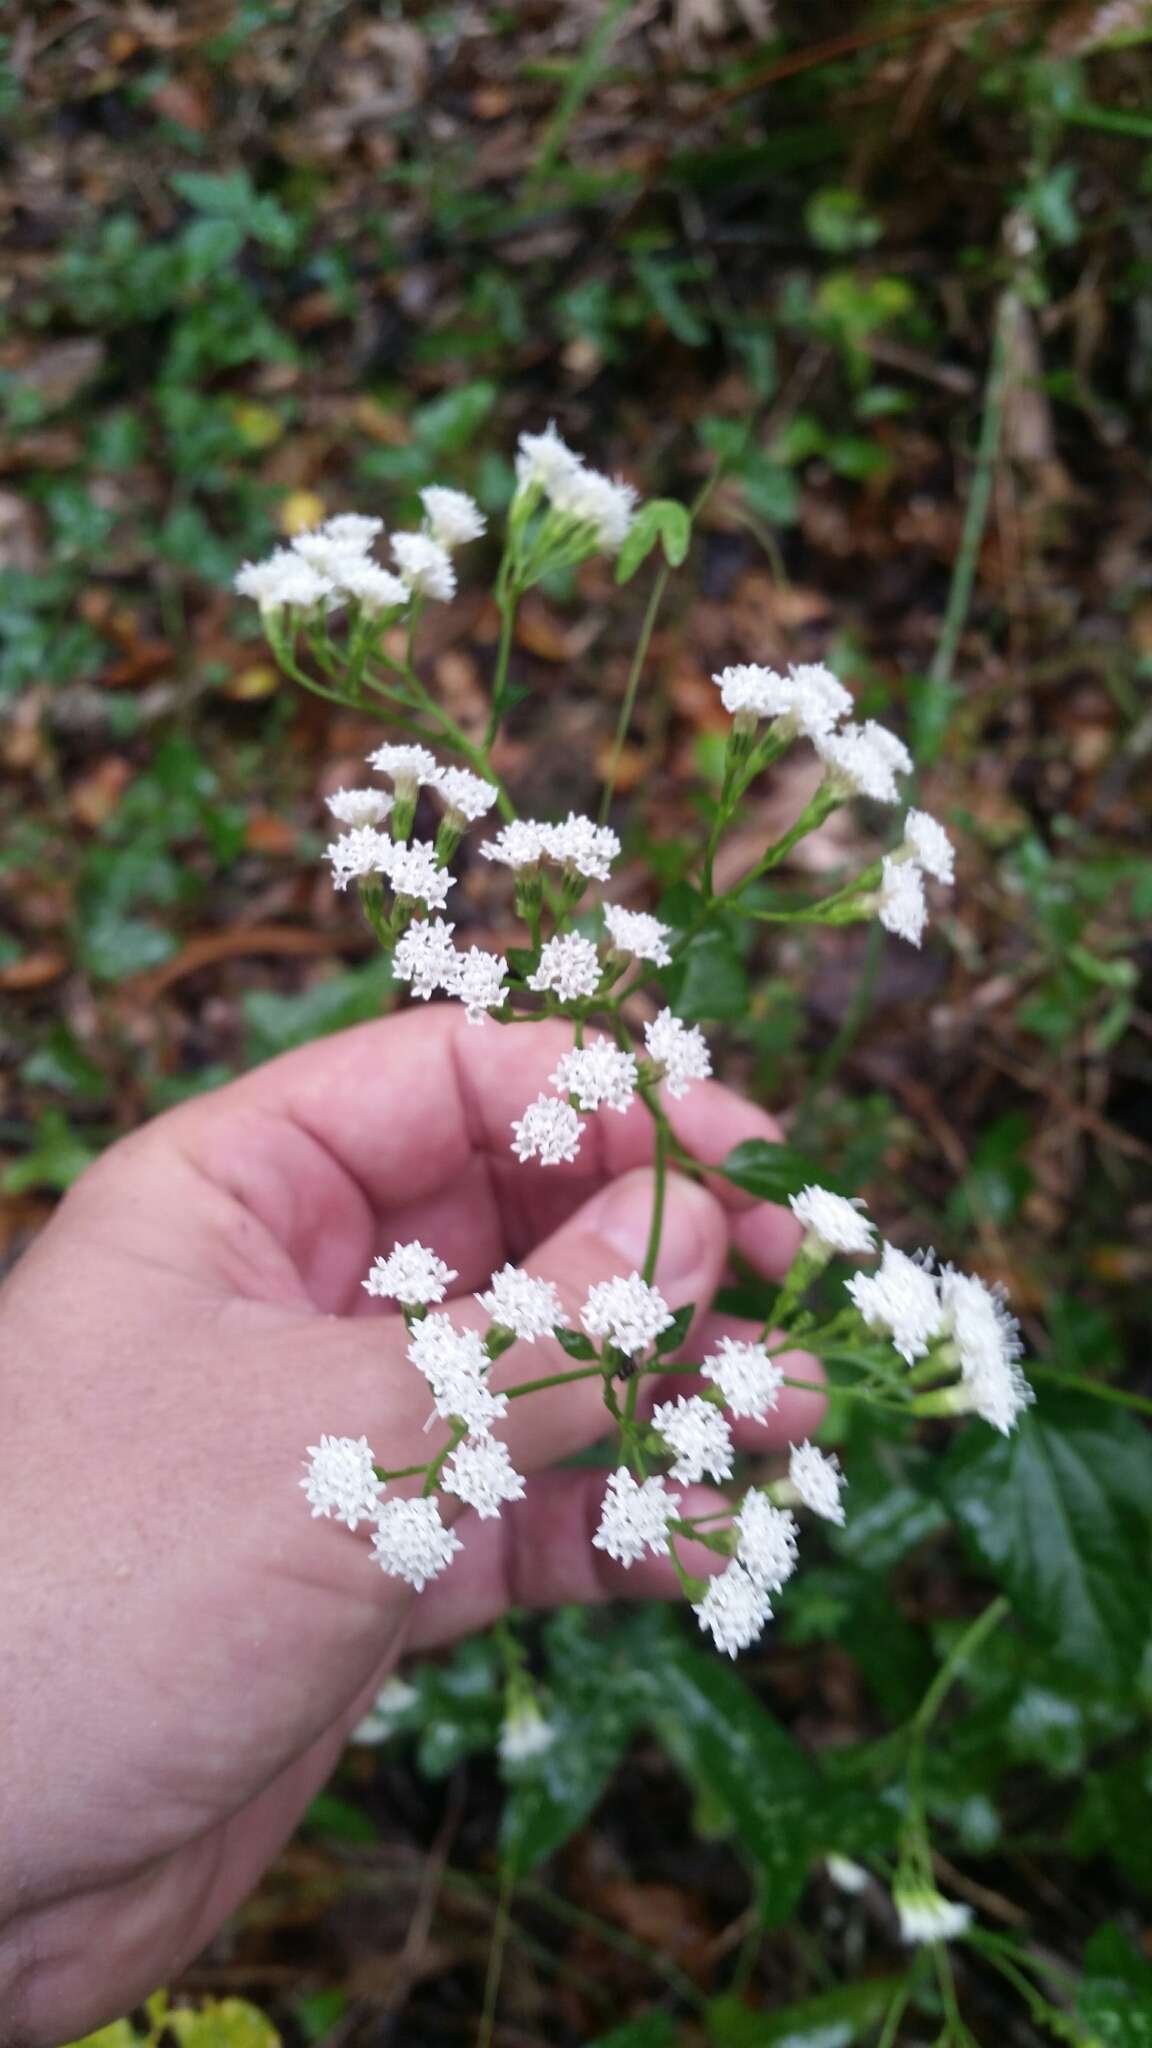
{"points": [[186, 1650]]}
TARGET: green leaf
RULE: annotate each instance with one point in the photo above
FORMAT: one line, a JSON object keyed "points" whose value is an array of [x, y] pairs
{"points": [[677, 1330], [576, 1344], [639, 541], [56, 1158], [675, 528], [593, 1707], [448, 423], [709, 979], [651, 2030], [331, 1815], [1115, 1997], [1060, 1513], [276, 1023], [833, 2019], [734, 1751], [773, 1172], [222, 2023], [121, 2034], [112, 947]]}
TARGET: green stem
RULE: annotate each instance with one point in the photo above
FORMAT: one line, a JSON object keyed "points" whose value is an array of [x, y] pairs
{"points": [[507, 600], [1099, 1389], [628, 706], [660, 1171]]}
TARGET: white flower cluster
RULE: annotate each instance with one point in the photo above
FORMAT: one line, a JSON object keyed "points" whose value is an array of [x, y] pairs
{"points": [[576, 843], [581, 497], [599, 1075], [333, 565]]}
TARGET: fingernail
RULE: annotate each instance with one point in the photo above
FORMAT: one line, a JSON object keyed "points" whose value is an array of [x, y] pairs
{"points": [[624, 1220]]}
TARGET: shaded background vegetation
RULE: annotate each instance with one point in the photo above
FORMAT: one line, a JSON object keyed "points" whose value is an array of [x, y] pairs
{"points": [[887, 276]]}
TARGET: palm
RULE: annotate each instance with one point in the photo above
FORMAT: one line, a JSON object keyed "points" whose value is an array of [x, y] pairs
{"points": [[192, 1320]]}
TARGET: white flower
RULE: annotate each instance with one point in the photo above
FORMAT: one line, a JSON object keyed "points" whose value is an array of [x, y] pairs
{"points": [[424, 565], [987, 1339], [696, 1431], [415, 873], [902, 1299], [901, 905], [374, 588], [818, 1480], [482, 1475], [927, 843], [549, 1129], [468, 795], [846, 1875], [581, 844], [523, 1303], [411, 1542], [284, 579], [353, 529], [767, 1541], [455, 1364], [638, 933], [406, 765], [735, 1609], [627, 1311], [426, 957], [809, 699], [411, 1275], [394, 1700], [602, 502], [478, 982], [634, 1517], [518, 845], [926, 1915], [834, 1220], [569, 968], [679, 1050], [749, 1380], [363, 851], [525, 1732], [600, 1076], [359, 806], [327, 553], [864, 760], [453, 517], [340, 1480], [545, 461]]}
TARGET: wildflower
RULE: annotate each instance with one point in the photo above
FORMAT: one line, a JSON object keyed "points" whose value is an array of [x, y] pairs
{"points": [[359, 806], [545, 461], [411, 1275], [902, 1299], [987, 1339], [285, 579], [520, 1302], [425, 566], [766, 1541], [466, 796], [569, 968], [327, 552], [455, 1364], [734, 1609], [525, 1732], [749, 1380], [481, 1474], [415, 873], [426, 957], [628, 1312], [817, 1480], [604, 503], [353, 529], [581, 845], [375, 589], [901, 904], [518, 845], [363, 851], [394, 1701], [411, 1542], [452, 517], [600, 1076], [926, 1915], [833, 1221], [340, 1480], [864, 760], [634, 1517], [808, 700], [846, 1875], [678, 1051], [638, 933], [752, 690], [408, 766], [696, 1431], [549, 1130], [478, 982], [927, 843]]}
